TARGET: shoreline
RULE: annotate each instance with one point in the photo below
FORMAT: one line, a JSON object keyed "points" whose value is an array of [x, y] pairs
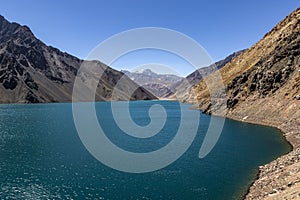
{"points": [[293, 145], [257, 188], [269, 125], [251, 183], [257, 174], [263, 186]]}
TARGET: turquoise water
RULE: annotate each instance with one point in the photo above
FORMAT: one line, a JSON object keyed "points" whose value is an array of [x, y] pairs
{"points": [[42, 157]]}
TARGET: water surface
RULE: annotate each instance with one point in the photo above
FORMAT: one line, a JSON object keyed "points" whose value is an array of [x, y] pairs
{"points": [[42, 157]]}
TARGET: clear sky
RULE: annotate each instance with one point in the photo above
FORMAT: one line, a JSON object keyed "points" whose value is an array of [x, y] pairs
{"points": [[221, 27]]}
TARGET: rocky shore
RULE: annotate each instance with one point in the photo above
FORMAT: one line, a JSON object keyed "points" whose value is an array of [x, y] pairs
{"points": [[280, 179]]}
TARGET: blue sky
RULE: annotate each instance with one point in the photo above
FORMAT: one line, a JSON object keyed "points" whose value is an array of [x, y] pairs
{"points": [[221, 27]]}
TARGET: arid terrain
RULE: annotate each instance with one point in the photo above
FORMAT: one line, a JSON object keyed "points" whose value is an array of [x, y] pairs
{"points": [[263, 86]]}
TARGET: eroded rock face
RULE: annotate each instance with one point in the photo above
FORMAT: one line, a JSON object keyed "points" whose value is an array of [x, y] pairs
{"points": [[269, 74], [32, 72]]}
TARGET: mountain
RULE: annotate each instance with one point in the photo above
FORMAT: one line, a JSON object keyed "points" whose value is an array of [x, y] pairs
{"points": [[182, 89], [197, 75], [263, 86], [159, 84], [32, 72]]}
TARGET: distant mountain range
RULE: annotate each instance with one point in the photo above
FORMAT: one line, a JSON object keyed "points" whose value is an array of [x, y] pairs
{"points": [[171, 86], [32, 72], [159, 84]]}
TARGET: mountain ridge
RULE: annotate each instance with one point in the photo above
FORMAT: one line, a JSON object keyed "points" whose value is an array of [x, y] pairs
{"points": [[32, 72], [182, 90]]}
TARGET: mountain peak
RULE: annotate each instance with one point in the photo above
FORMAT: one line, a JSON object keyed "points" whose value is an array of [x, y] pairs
{"points": [[148, 71], [13, 29], [2, 18], [3, 22], [145, 71]]}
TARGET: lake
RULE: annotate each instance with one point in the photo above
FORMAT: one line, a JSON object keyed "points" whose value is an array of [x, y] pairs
{"points": [[42, 156]]}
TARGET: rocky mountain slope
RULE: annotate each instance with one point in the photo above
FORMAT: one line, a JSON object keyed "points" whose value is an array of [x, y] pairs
{"points": [[199, 74], [182, 89], [263, 86], [159, 84], [32, 72]]}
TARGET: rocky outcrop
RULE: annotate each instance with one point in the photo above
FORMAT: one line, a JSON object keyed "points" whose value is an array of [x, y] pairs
{"points": [[269, 74], [262, 86], [32, 72]]}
